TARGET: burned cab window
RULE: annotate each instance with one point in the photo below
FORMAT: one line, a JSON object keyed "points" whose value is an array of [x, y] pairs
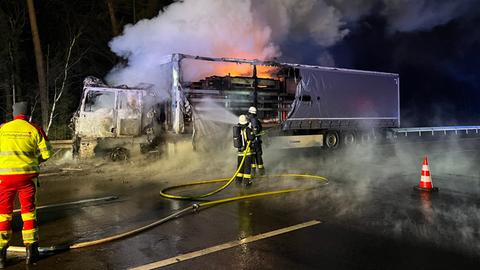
{"points": [[129, 102], [97, 101]]}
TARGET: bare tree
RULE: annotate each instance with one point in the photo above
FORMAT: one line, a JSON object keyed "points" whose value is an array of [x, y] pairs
{"points": [[42, 81], [58, 91], [32, 107]]}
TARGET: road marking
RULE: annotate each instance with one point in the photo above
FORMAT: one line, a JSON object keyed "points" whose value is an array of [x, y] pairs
{"points": [[198, 253]]}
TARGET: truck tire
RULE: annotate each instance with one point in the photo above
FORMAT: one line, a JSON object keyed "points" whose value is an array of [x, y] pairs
{"points": [[349, 138], [332, 140], [119, 154]]}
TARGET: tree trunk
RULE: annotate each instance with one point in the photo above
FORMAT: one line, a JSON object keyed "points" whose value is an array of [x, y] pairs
{"points": [[113, 18], [42, 82], [11, 95]]}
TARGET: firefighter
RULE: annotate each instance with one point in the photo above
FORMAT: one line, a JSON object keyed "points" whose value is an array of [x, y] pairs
{"points": [[256, 126], [23, 146], [242, 135]]}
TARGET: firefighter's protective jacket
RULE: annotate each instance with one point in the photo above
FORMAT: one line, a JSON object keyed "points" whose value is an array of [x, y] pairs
{"points": [[21, 145], [247, 136], [255, 125]]}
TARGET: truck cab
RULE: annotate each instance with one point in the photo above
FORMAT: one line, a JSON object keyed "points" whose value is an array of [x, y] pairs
{"points": [[118, 121]]}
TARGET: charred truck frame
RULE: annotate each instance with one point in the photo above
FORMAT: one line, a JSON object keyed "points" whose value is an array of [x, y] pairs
{"points": [[117, 121], [304, 105]]}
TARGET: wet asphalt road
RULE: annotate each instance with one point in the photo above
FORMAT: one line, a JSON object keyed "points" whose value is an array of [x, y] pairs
{"points": [[370, 216]]}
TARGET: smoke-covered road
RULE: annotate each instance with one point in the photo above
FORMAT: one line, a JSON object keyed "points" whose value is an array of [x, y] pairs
{"points": [[369, 216]]}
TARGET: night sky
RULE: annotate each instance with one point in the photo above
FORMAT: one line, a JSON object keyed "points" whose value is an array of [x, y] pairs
{"points": [[438, 65], [439, 69]]}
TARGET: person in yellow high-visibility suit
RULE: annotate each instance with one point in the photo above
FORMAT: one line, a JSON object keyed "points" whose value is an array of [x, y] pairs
{"points": [[23, 146]]}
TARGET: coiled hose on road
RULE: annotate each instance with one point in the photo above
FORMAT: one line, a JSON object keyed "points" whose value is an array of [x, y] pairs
{"points": [[319, 181]]}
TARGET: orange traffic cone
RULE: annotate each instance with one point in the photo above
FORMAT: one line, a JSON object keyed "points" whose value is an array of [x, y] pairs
{"points": [[426, 179]]}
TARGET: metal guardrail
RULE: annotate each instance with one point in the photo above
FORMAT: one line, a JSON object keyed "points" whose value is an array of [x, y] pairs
{"points": [[433, 130], [61, 144]]}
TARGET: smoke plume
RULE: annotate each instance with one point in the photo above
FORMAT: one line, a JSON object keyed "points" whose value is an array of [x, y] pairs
{"points": [[208, 28], [423, 15], [257, 29]]}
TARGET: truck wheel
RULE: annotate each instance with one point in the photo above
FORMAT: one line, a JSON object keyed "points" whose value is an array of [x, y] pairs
{"points": [[119, 154], [332, 140], [349, 139]]}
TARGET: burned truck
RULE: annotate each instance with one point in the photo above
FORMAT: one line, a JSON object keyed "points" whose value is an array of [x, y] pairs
{"points": [[301, 105], [118, 121]]}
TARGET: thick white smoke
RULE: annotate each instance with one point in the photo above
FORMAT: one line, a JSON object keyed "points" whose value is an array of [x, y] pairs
{"points": [[218, 28], [256, 29], [422, 15], [302, 19]]}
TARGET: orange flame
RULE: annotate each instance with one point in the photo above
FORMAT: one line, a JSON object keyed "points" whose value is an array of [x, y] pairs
{"points": [[199, 69], [233, 69]]}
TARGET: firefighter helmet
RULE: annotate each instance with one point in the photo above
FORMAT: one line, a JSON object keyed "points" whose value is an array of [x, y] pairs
{"points": [[242, 119], [252, 110]]}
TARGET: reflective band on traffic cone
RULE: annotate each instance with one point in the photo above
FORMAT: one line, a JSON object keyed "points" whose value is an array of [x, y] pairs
{"points": [[425, 179]]}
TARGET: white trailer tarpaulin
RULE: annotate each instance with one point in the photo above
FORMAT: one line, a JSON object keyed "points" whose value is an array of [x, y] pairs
{"points": [[329, 97]]}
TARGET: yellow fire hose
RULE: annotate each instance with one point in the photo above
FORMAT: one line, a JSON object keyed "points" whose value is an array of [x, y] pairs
{"points": [[320, 181]]}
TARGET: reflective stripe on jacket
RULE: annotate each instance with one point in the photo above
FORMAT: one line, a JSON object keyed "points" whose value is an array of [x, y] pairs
{"points": [[21, 144], [247, 136]]}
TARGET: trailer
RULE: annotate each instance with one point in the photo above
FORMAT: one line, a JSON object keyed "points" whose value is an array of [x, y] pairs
{"points": [[301, 105], [340, 107]]}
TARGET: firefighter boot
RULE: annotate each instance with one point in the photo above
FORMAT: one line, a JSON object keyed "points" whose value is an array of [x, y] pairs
{"points": [[32, 253], [3, 257], [238, 180]]}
